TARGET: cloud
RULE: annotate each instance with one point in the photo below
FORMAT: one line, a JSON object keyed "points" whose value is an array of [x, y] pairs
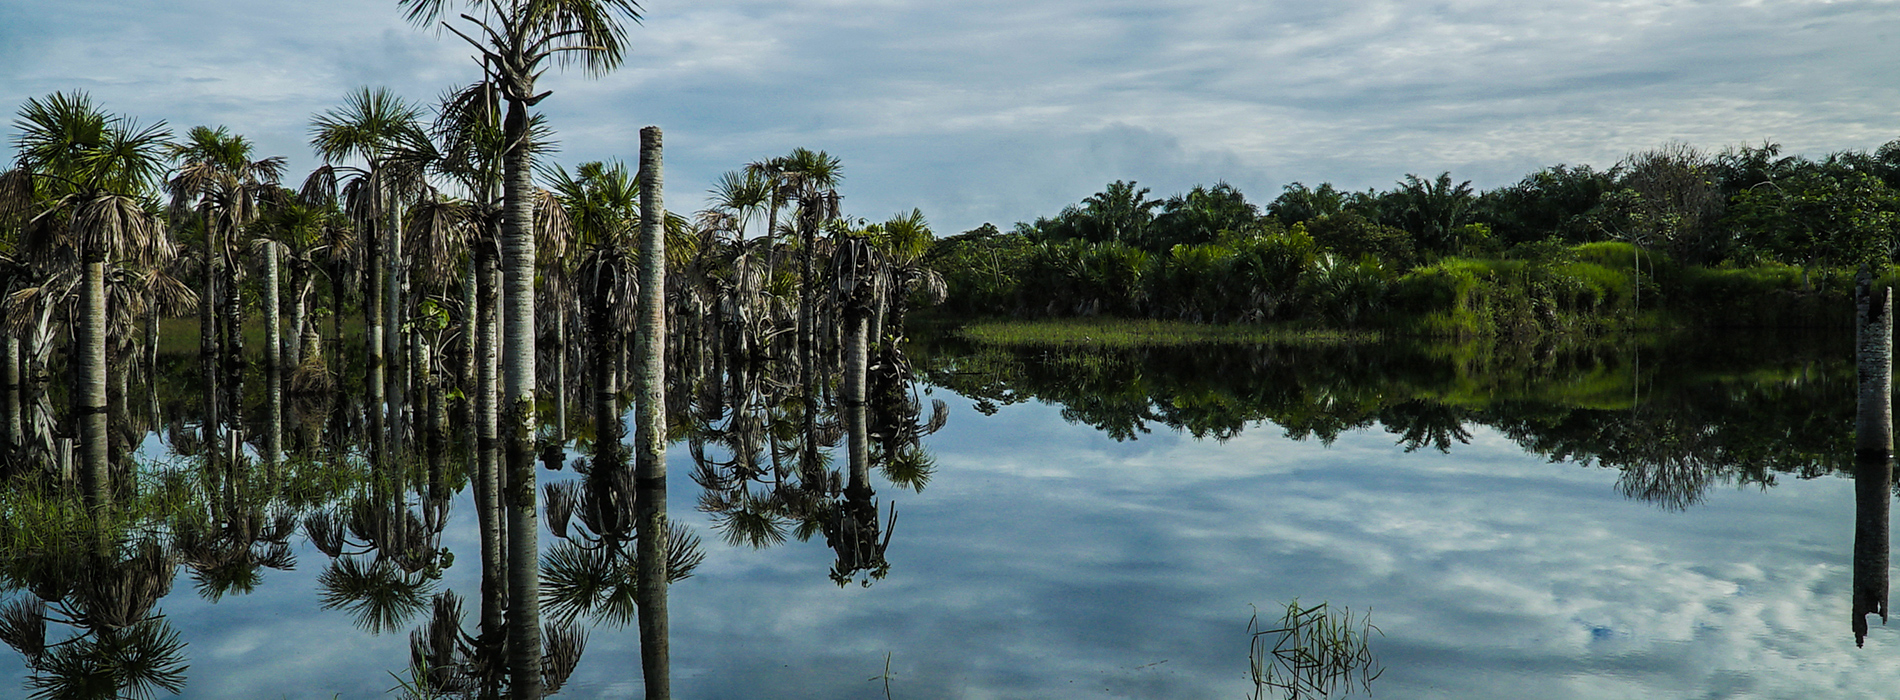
{"points": [[1003, 111]]}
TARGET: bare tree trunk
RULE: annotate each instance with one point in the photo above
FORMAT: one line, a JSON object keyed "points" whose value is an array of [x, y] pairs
{"points": [[488, 459], [10, 391], [560, 375], [373, 379], [856, 366], [273, 313], [470, 327], [1873, 434], [1873, 452], [650, 425], [299, 315], [91, 408], [605, 347], [208, 351], [518, 255], [395, 311]]}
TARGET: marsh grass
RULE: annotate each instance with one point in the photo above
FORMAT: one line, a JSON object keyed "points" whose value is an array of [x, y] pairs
{"points": [[1121, 332], [1313, 652]]}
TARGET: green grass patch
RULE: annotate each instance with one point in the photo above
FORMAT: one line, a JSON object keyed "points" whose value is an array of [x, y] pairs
{"points": [[1119, 332]]}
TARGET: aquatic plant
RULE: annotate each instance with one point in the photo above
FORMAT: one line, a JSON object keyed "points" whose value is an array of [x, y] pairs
{"points": [[1314, 652]]}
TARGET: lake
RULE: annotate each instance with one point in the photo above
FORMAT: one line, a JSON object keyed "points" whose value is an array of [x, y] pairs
{"points": [[1651, 517]]}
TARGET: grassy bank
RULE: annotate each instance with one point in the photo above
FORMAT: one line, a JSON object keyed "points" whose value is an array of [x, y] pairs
{"points": [[1121, 332]]}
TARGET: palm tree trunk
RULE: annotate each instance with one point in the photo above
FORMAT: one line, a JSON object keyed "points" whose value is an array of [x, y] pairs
{"points": [[1873, 452], [856, 366], [273, 313], [560, 375], [208, 356], [518, 254], [10, 391], [233, 324], [488, 468], [299, 315], [806, 334], [235, 361], [373, 346], [470, 327], [605, 346], [396, 372], [650, 425], [92, 384], [1873, 506], [1873, 434]]}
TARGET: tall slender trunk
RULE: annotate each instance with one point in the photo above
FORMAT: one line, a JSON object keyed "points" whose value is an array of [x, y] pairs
{"points": [[488, 459], [10, 391], [1873, 451], [518, 253], [807, 238], [470, 326], [422, 366], [1873, 434], [208, 355], [856, 367], [273, 357], [560, 375], [395, 340], [91, 408], [274, 419], [150, 356], [273, 313], [373, 344], [771, 240], [604, 346], [1873, 505], [650, 425], [235, 362], [299, 315], [232, 326]]}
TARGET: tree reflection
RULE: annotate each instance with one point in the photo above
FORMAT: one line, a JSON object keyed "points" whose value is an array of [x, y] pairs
{"points": [[104, 588], [1708, 415], [384, 556]]}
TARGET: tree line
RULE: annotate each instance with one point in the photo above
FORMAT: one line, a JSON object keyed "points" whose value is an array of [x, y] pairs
{"points": [[1565, 247]]}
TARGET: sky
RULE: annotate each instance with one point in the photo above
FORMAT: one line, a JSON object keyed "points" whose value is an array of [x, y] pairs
{"points": [[1005, 110]]}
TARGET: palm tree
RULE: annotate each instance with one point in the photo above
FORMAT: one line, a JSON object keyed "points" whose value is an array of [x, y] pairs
{"points": [[371, 126], [810, 178], [649, 437], [603, 204], [93, 175], [518, 38], [217, 176]]}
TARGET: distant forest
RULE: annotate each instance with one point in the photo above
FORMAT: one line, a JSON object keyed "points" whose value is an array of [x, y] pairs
{"points": [[1746, 236]]}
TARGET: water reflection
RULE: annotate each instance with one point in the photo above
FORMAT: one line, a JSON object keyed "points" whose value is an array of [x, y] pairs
{"points": [[1706, 415], [781, 457]]}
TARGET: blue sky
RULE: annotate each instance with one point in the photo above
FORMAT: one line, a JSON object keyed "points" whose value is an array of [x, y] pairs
{"points": [[1000, 110]]}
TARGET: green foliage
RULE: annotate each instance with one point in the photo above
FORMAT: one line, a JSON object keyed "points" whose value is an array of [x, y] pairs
{"points": [[1815, 219], [1201, 215], [1355, 236], [1553, 202]]}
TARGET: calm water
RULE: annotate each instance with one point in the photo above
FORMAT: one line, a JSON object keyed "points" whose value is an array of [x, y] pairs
{"points": [[1655, 519]]}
